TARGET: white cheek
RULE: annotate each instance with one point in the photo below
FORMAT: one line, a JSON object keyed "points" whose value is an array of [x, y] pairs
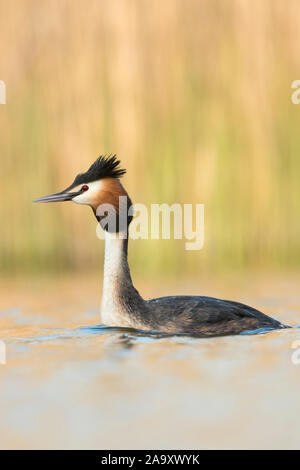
{"points": [[82, 198], [88, 196]]}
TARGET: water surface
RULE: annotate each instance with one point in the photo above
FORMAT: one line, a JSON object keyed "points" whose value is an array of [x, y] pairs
{"points": [[69, 383]]}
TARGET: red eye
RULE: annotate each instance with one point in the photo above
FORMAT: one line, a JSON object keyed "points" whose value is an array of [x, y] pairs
{"points": [[84, 188]]}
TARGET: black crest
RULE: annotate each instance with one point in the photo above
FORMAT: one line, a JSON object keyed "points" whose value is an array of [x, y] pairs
{"points": [[103, 167]]}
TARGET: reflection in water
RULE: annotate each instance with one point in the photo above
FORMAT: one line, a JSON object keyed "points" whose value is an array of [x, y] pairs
{"points": [[69, 386]]}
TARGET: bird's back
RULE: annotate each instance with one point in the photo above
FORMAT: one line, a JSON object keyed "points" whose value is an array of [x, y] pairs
{"points": [[205, 316]]}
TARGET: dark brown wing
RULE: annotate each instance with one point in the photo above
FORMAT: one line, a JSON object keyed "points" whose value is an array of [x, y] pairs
{"points": [[206, 316]]}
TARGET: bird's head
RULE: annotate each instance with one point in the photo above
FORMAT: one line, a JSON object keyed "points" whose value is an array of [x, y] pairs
{"points": [[100, 188]]}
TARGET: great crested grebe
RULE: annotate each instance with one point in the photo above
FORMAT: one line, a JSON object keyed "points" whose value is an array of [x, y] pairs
{"points": [[122, 305]]}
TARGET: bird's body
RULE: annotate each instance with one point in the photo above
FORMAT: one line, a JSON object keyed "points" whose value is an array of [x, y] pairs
{"points": [[207, 316], [122, 305]]}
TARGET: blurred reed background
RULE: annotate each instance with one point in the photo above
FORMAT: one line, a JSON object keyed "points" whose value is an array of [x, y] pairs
{"points": [[195, 98]]}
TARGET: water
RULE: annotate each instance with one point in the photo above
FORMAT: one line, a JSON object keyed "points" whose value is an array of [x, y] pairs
{"points": [[69, 383]]}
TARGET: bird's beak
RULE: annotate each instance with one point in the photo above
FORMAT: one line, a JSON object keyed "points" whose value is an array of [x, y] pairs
{"points": [[58, 197]]}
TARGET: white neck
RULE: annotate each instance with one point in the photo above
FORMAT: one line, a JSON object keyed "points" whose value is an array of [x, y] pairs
{"points": [[117, 283]]}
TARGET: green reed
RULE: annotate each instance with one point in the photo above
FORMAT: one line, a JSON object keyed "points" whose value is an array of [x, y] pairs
{"points": [[194, 97]]}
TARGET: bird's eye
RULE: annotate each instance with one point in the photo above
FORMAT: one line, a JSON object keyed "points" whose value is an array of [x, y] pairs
{"points": [[84, 188]]}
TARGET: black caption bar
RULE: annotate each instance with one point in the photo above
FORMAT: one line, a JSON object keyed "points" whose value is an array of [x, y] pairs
{"points": [[131, 459]]}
